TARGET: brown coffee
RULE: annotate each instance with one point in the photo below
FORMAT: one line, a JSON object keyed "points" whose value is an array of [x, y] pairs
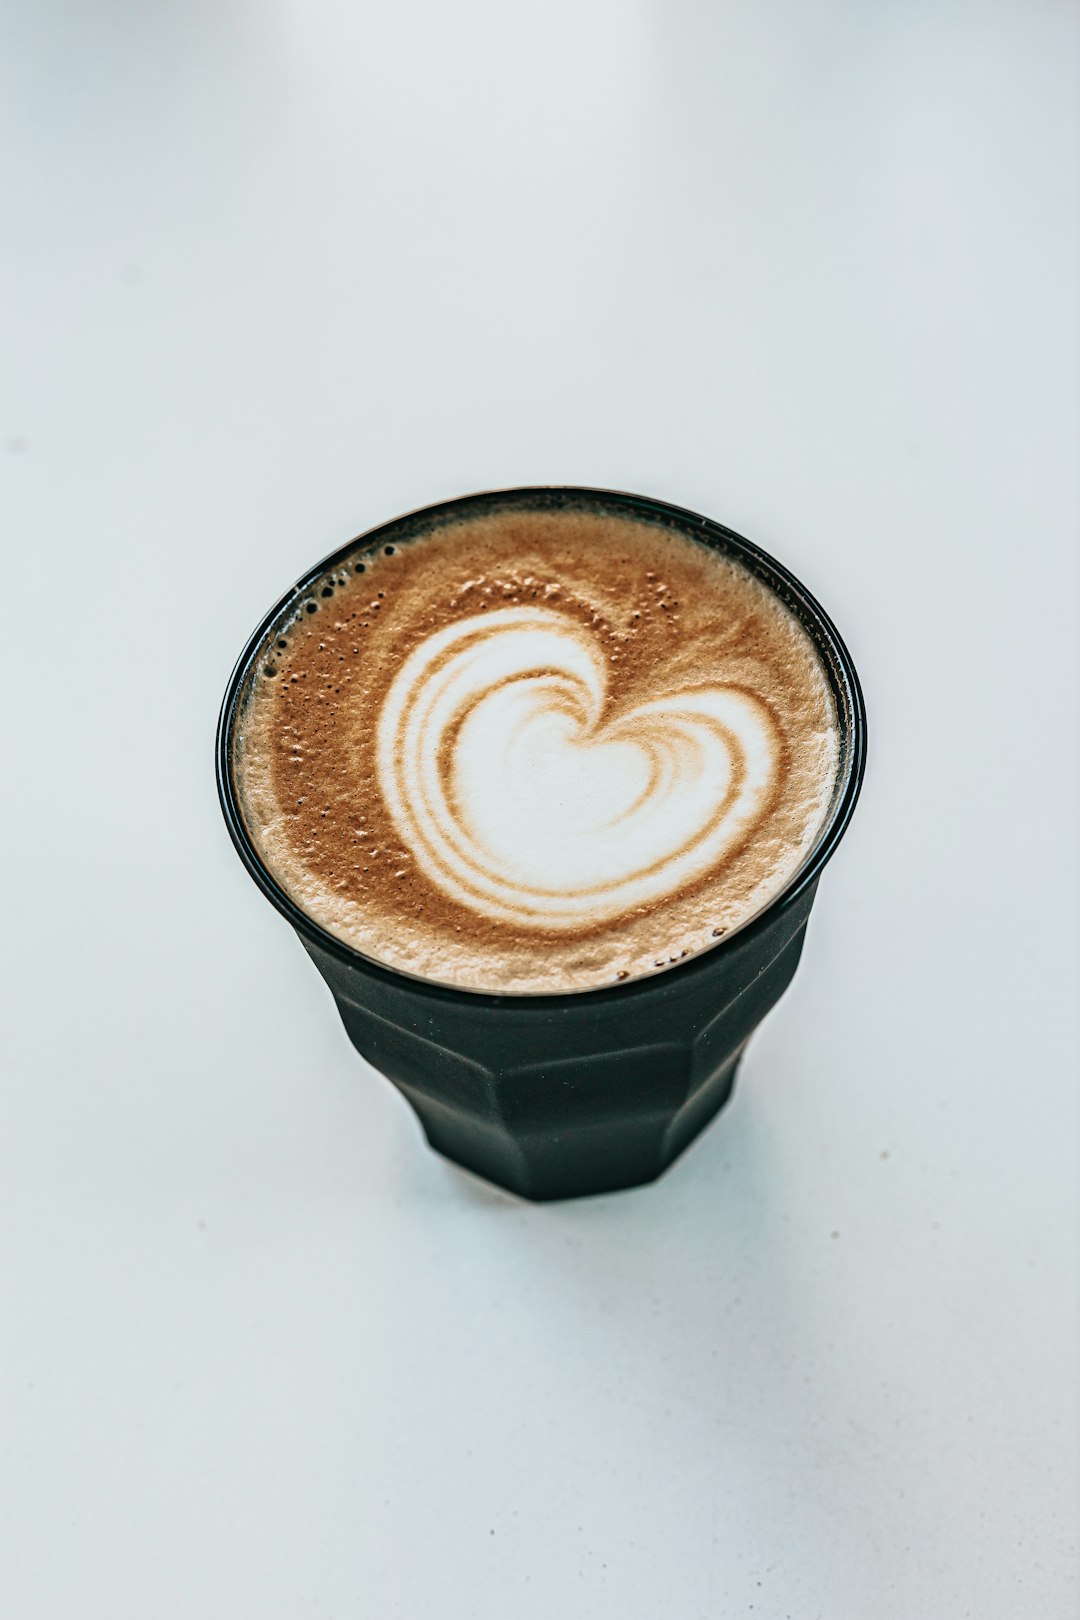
{"points": [[537, 750]]}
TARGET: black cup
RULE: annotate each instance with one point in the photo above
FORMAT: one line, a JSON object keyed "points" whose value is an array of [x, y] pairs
{"points": [[554, 1096]]}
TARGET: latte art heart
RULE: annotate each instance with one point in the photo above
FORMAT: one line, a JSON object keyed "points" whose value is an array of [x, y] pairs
{"points": [[524, 793]]}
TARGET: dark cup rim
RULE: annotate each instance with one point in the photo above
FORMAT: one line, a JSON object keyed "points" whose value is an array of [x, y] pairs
{"points": [[841, 669]]}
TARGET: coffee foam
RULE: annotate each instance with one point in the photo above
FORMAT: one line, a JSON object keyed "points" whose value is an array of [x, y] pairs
{"points": [[537, 751]]}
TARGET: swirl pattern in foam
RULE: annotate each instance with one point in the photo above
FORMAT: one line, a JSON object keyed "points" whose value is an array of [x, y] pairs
{"points": [[520, 799], [536, 750]]}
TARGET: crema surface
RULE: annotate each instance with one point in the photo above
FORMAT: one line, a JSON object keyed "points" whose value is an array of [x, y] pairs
{"points": [[536, 750]]}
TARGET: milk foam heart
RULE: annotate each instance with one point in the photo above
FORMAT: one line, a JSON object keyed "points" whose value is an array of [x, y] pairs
{"points": [[522, 798], [536, 749]]}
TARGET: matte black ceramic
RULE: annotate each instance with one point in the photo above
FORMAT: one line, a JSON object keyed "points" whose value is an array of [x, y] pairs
{"points": [[553, 1096]]}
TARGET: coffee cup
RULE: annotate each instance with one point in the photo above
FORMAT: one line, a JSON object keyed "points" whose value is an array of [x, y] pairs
{"points": [[556, 1086]]}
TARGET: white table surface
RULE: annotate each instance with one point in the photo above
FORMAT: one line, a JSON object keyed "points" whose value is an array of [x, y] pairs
{"points": [[274, 273]]}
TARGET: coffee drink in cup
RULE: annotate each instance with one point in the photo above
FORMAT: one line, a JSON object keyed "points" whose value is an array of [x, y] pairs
{"points": [[530, 751], [544, 747]]}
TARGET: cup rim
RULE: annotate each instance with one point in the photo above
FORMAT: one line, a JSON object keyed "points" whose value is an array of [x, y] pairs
{"points": [[840, 669]]}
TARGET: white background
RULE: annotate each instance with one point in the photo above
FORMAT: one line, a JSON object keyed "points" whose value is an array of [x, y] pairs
{"points": [[275, 272]]}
